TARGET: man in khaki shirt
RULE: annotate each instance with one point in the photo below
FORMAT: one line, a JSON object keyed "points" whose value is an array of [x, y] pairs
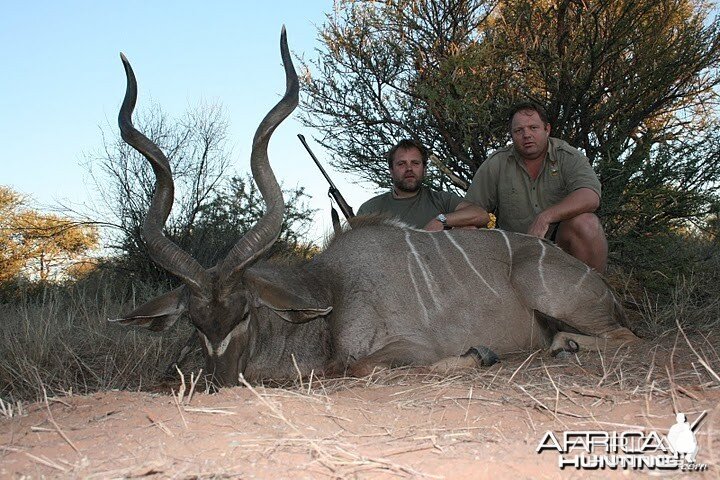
{"points": [[544, 187], [415, 204]]}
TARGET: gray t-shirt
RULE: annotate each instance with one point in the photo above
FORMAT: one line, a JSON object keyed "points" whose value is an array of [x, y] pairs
{"points": [[416, 211]]}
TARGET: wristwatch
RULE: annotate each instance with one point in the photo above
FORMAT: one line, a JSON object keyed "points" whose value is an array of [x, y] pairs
{"points": [[443, 219]]}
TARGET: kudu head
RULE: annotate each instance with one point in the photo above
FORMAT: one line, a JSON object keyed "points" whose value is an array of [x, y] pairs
{"points": [[217, 300]]}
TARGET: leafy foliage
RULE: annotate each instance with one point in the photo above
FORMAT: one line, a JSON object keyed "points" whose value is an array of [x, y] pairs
{"points": [[11, 256], [632, 82], [40, 245], [377, 75], [233, 210]]}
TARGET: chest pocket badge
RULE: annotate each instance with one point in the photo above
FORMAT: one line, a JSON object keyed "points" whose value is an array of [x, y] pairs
{"points": [[553, 169]]}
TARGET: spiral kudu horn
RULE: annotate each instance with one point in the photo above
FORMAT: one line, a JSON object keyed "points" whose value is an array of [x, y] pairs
{"points": [[264, 233], [162, 250]]}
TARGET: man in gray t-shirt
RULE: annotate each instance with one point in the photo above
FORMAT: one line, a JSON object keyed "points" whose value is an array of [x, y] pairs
{"points": [[415, 204]]}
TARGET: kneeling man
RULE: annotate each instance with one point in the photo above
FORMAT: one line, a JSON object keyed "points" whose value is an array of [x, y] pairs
{"points": [[542, 186]]}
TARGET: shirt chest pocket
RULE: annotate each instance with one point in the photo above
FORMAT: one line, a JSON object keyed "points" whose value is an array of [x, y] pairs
{"points": [[510, 197], [553, 190]]}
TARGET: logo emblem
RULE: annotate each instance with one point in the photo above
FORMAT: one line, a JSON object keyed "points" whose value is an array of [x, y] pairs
{"points": [[635, 449], [681, 437]]}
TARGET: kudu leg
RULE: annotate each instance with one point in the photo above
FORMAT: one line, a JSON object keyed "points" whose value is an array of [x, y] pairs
{"points": [[475, 357], [572, 342], [582, 304], [404, 352], [395, 354]]}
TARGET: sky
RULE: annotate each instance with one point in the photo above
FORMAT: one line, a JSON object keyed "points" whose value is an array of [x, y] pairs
{"points": [[62, 79]]}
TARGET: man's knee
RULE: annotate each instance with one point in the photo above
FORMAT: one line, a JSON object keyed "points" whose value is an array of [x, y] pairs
{"points": [[583, 237], [585, 228]]}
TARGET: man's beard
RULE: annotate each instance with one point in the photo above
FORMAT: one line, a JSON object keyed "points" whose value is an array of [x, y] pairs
{"points": [[407, 185]]}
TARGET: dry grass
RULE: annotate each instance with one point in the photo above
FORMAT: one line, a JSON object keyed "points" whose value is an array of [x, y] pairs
{"points": [[570, 393], [694, 304], [332, 456], [665, 375], [10, 409], [59, 340], [382, 425], [657, 370]]}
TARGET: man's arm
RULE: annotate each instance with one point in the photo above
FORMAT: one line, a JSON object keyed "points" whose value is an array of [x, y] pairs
{"points": [[582, 200], [465, 215]]}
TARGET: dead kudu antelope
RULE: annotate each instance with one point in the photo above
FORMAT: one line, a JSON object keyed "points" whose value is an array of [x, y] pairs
{"points": [[380, 295]]}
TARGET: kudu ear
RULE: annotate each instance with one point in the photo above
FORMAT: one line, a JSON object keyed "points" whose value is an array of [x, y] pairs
{"points": [[287, 295], [158, 314]]}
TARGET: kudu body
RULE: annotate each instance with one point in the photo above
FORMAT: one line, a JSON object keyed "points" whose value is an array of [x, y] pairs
{"points": [[380, 295]]}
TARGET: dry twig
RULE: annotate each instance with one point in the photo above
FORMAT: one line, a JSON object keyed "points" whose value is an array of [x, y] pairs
{"points": [[54, 423], [702, 361]]}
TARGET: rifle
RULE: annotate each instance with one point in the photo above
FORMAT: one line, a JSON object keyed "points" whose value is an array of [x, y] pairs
{"points": [[333, 192]]}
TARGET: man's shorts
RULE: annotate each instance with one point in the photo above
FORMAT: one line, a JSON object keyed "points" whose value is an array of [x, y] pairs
{"points": [[552, 232]]}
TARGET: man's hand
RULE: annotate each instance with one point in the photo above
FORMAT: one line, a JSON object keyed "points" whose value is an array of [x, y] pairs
{"points": [[434, 225], [539, 226], [582, 200]]}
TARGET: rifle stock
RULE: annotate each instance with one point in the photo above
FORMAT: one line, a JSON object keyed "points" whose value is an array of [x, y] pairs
{"points": [[333, 190]]}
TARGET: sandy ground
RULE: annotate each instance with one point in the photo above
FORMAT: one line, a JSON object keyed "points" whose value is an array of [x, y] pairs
{"points": [[403, 423]]}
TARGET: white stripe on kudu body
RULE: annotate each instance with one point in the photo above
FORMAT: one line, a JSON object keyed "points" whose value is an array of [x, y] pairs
{"points": [[582, 279], [449, 267], [427, 276], [540, 265], [467, 260], [507, 242], [417, 292]]}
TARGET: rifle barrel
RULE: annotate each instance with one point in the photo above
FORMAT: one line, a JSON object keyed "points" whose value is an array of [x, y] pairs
{"points": [[333, 192], [317, 162]]}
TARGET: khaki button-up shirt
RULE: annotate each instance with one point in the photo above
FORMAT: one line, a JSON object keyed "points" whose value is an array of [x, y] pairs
{"points": [[503, 186]]}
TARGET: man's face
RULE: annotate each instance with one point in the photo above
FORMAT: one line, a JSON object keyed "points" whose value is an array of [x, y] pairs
{"points": [[529, 134], [407, 170]]}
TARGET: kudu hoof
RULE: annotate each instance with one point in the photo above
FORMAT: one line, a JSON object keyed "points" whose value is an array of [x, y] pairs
{"points": [[571, 347], [482, 355]]}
